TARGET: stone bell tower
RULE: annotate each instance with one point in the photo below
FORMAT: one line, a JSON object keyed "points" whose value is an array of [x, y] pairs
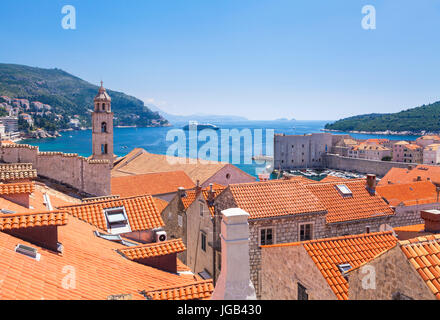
{"points": [[102, 127]]}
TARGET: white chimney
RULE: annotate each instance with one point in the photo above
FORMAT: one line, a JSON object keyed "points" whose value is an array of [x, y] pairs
{"points": [[234, 282]]}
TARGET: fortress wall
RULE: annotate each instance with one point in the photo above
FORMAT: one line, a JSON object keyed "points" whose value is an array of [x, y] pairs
{"points": [[379, 168], [88, 176]]}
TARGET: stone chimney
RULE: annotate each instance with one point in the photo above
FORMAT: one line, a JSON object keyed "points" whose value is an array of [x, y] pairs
{"points": [[211, 192], [234, 282], [371, 183], [432, 220], [198, 187], [181, 192]]}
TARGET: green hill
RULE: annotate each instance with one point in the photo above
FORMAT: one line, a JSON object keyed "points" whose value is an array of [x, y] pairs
{"points": [[423, 118], [70, 95]]}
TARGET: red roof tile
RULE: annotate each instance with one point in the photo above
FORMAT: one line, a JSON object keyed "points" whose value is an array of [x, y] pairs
{"points": [[150, 183], [153, 249], [423, 254], [15, 188], [93, 267], [142, 212], [360, 205], [409, 193], [275, 198], [422, 172], [28, 220], [198, 291]]}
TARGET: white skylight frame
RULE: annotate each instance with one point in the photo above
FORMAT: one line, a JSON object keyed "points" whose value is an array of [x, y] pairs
{"points": [[344, 267], [117, 220], [344, 190], [28, 251]]}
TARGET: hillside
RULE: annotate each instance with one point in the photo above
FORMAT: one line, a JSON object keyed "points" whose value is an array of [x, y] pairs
{"points": [[69, 95], [415, 120]]}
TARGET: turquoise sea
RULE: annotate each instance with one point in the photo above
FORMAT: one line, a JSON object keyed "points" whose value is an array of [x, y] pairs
{"points": [[154, 139]]}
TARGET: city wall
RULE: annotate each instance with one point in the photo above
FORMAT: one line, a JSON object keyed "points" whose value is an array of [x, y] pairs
{"points": [[88, 176], [379, 168]]}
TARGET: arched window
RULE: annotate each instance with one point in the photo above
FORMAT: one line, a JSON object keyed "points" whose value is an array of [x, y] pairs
{"points": [[104, 127], [103, 107], [104, 149]]}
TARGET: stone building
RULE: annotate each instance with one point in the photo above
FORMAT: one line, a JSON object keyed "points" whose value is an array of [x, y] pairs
{"points": [[301, 151], [424, 141], [191, 216], [316, 269], [284, 211], [431, 154], [369, 151], [102, 127]]}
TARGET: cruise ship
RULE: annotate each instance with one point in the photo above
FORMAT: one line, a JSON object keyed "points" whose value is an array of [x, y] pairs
{"points": [[200, 126]]}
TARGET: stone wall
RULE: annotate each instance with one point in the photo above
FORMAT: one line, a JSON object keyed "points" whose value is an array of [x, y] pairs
{"points": [[357, 226], [393, 276], [170, 216], [284, 267], [379, 168], [409, 215], [88, 176]]}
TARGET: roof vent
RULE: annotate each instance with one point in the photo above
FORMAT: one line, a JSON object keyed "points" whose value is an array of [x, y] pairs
{"points": [[28, 251], [6, 211], [115, 238]]}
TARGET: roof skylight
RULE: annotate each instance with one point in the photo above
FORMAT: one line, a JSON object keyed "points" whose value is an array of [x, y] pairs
{"points": [[117, 220], [344, 190], [115, 238]]}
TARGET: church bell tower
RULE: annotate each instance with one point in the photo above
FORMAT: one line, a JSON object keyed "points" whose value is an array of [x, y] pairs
{"points": [[102, 127]]}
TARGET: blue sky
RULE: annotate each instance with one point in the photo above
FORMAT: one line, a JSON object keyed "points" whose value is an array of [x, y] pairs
{"points": [[262, 59]]}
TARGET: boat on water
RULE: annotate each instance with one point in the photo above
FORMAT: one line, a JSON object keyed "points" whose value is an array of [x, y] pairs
{"points": [[200, 126]]}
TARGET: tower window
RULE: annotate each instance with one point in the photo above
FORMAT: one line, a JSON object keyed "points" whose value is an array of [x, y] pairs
{"points": [[103, 107], [104, 127], [104, 148]]}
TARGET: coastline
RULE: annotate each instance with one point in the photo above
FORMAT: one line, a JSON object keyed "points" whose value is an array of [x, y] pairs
{"points": [[388, 132]]}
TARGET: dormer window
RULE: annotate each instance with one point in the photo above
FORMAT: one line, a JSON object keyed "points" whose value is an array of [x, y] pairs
{"points": [[117, 220]]}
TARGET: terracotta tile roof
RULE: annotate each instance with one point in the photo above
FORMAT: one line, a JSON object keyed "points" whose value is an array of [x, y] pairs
{"points": [[275, 198], [142, 162], [201, 290], [18, 174], [360, 205], [409, 193], [150, 183], [331, 178], [153, 249], [28, 220], [413, 147], [99, 270], [191, 196], [355, 250], [365, 146], [15, 188], [429, 137], [160, 204], [142, 212], [423, 253], [402, 175]]}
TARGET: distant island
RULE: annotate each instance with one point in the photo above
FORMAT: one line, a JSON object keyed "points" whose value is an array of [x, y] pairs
{"points": [[416, 121], [53, 100]]}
